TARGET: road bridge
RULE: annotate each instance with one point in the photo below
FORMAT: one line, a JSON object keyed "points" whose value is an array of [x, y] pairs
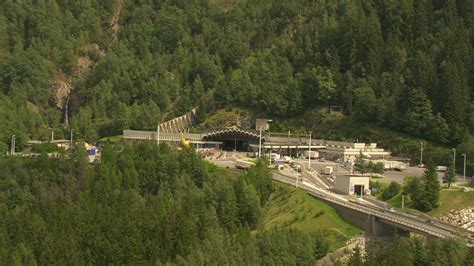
{"points": [[375, 220]]}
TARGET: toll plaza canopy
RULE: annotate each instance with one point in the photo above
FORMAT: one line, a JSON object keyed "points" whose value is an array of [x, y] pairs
{"points": [[234, 138]]}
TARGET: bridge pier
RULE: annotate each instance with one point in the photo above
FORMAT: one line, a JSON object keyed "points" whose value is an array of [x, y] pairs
{"points": [[372, 225], [381, 229]]}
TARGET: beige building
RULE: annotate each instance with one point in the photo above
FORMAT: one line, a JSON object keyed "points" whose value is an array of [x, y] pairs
{"points": [[352, 185], [349, 151]]}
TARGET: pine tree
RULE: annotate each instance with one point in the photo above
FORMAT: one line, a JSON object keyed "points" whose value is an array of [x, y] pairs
{"points": [[432, 187], [450, 175]]}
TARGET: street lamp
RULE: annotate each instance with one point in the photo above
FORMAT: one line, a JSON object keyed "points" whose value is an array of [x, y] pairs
{"points": [[309, 150], [158, 134], [260, 139], [454, 159], [12, 151], [289, 149], [421, 153], [464, 170], [72, 134]]}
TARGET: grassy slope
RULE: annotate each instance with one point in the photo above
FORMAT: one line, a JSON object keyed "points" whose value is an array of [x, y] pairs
{"points": [[453, 199], [294, 208], [448, 200]]}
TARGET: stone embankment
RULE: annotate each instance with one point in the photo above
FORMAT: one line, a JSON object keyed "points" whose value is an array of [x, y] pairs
{"points": [[463, 218]]}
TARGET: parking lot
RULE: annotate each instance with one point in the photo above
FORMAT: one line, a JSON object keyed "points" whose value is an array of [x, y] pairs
{"points": [[389, 175]]}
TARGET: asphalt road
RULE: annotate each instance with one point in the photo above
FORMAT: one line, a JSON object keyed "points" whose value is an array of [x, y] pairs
{"points": [[413, 222], [389, 176], [417, 223]]}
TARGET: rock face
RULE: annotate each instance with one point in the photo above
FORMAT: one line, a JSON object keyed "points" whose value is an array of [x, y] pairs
{"points": [[463, 218], [60, 90]]}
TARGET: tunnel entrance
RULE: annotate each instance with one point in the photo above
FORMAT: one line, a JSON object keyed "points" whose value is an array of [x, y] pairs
{"points": [[234, 139], [237, 145], [358, 189]]}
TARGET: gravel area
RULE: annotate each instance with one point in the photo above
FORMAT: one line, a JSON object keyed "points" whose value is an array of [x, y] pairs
{"points": [[463, 218]]}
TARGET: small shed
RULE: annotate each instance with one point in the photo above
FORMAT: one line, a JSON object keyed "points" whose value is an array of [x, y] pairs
{"points": [[353, 184]]}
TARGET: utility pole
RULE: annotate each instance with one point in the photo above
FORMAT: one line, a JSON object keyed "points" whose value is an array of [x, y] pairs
{"points": [[454, 159], [52, 135], [464, 170], [72, 134], [158, 134], [421, 153], [260, 139], [12, 150], [403, 202], [289, 149], [309, 151]]}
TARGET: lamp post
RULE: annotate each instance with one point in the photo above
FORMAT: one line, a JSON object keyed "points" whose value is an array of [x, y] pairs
{"points": [[158, 134], [52, 135], [454, 159], [72, 134], [464, 168], [12, 151], [421, 153], [289, 149], [309, 150], [260, 139]]}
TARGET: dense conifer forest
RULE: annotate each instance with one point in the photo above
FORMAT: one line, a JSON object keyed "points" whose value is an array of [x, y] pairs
{"points": [[99, 67], [102, 66], [141, 204], [148, 204]]}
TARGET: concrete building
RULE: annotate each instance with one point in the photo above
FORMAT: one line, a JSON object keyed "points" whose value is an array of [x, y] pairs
{"points": [[248, 140], [352, 185], [61, 143], [349, 151]]}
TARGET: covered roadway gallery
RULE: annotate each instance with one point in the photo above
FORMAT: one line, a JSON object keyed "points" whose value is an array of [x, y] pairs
{"points": [[234, 139]]}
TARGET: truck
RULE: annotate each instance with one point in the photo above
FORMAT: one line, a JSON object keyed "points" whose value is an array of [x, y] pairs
{"points": [[273, 156], [312, 154], [441, 168], [241, 164], [390, 165], [328, 170]]}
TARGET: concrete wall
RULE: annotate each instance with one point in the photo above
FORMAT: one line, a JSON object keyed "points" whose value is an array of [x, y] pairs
{"points": [[179, 124]]}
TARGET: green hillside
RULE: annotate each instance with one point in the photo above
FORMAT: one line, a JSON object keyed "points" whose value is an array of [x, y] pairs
{"points": [[293, 208], [101, 66], [453, 199]]}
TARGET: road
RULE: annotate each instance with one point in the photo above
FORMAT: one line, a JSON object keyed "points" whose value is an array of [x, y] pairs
{"points": [[413, 222], [394, 216], [389, 175]]}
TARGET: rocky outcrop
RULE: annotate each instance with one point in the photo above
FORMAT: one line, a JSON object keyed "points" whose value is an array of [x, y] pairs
{"points": [[463, 218]]}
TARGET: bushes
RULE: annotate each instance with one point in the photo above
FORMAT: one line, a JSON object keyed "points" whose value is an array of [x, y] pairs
{"points": [[391, 191]]}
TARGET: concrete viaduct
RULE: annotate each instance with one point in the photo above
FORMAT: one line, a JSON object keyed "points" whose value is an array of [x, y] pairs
{"points": [[376, 221]]}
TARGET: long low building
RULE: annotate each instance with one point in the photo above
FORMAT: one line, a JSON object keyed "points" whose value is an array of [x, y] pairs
{"points": [[347, 151], [236, 139]]}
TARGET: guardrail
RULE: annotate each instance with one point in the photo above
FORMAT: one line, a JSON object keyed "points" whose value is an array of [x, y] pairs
{"points": [[413, 224]]}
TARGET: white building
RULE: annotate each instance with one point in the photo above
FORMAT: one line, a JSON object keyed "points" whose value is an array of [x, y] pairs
{"points": [[349, 151], [352, 184]]}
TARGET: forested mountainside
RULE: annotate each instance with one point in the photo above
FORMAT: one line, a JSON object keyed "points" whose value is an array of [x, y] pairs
{"points": [[101, 66], [142, 204], [149, 204]]}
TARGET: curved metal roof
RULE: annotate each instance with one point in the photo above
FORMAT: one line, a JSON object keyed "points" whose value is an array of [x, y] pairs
{"points": [[232, 132]]}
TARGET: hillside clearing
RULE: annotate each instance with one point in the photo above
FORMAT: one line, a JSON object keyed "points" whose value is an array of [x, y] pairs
{"points": [[294, 208]]}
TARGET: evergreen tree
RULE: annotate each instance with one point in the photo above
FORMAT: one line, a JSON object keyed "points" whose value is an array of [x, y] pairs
{"points": [[450, 175], [431, 187]]}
